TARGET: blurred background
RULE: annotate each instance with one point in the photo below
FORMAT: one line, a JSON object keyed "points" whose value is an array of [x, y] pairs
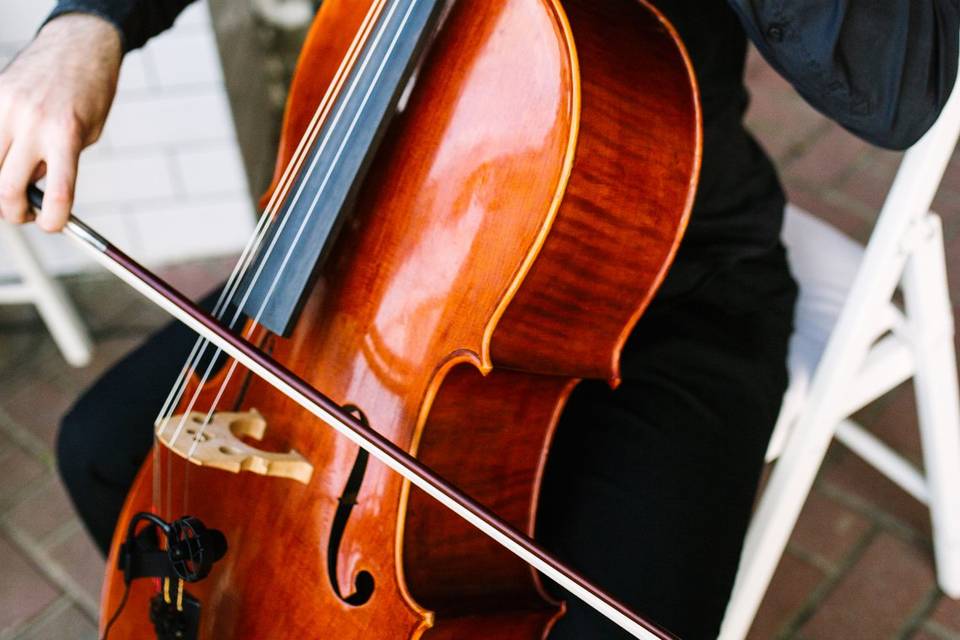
{"points": [[189, 147]]}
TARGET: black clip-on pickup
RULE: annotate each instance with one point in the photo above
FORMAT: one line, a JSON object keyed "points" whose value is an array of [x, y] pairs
{"points": [[190, 553]]}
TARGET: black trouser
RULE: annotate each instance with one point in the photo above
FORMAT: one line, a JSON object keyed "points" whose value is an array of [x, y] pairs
{"points": [[649, 486]]}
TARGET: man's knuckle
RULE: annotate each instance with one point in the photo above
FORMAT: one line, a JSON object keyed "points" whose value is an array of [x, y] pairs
{"points": [[9, 194], [15, 96], [68, 123], [57, 197], [93, 136], [32, 114], [56, 193]]}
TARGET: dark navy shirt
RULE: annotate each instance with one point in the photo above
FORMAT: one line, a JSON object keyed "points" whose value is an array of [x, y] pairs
{"points": [[883, 70]]}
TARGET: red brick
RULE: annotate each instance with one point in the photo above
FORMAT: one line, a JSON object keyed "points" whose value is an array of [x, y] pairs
{"points": [[38, 406], [846, 471], [952, 250], [923, 634], [766, 83], [897, 424], [102, 300], [774, 102], [827, 529], [766, 117], [81, 559], [793, 582], [951, 177], [844, 219], [195, 279], [40, 361], [947, 205], [146, 317], [885, 162], [20, 470], [869, 414], [869, 183], [43, 512], [776, 144], [757, 70], [108, 352], [20, 345], [947, 614], [812, 201], [877, 596], [23, 591], [833, 157], [69, 624]]}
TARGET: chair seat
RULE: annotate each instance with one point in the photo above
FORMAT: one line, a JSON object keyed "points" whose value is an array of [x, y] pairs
{"points": [[824, 263]]}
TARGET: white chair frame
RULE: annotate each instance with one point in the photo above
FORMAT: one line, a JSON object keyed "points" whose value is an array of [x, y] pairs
{"points": [[872, 348], [39, 288]]}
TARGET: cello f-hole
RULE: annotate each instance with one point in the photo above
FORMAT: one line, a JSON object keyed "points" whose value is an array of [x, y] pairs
{"points": [[363, 585]]}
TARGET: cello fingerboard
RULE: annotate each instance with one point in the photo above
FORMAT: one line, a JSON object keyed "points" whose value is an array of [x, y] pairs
{"points": [[300, 238]]}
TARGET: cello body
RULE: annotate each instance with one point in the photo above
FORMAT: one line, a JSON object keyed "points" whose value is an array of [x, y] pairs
{"points": [[518, 217]]}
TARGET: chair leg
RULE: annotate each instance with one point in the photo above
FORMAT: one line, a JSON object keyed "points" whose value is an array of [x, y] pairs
{"points": [[52, 302], [938, 405], [773, 522]]}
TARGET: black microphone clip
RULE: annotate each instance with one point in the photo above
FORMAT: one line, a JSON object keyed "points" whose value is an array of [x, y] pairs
{"points": [[191, 549]]}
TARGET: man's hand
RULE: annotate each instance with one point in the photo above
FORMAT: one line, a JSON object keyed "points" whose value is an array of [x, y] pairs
{"points": [[54, 100]]}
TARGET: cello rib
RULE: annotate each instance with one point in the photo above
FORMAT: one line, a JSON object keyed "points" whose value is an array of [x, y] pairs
{"points": [[518, 216]]}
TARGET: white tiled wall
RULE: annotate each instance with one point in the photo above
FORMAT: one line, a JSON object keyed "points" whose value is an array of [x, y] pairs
{"points": [[166, 182]]}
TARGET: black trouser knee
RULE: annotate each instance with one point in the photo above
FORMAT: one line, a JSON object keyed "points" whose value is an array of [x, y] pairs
{"points": [[649, 487], [107, 434]]}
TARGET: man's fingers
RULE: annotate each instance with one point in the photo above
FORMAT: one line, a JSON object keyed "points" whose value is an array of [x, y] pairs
{"points": [[61, 181], [18, 167], [5, 140]]}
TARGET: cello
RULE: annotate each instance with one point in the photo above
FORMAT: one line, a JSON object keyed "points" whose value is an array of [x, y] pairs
{"points": [[473, 204]]}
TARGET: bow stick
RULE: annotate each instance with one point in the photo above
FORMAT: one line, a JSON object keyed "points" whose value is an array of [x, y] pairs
{"points": [[292, 386]]}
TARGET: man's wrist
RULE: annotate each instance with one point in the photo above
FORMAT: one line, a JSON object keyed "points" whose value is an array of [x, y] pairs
{"points": [[71, 12]]}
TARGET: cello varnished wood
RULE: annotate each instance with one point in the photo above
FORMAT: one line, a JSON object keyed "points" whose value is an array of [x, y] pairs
{"points": [[515, 221]]}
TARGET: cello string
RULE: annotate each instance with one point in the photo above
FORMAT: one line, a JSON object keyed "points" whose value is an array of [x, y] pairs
{"points": [[294, 166], [198, 437], [218, 312], [200, 346], [355, 83], [275, 205], [273, 208], [230, 288], [274, 241], [380, 447], [196, 353]]}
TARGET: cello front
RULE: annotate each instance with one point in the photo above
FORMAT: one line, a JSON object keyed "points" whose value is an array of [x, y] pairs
{"points": [[518, 217]]}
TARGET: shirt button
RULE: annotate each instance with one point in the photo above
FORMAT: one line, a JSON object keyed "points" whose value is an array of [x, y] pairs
{"points": [[775, 33]]}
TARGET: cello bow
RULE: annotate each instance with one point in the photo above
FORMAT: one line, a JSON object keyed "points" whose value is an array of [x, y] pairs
{"points": [[159, 292]]}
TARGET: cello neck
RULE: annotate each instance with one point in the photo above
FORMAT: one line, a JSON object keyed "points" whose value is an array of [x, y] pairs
{"points": [[318, 198]]}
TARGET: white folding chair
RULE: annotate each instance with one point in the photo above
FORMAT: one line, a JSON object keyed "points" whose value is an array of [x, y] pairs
{"points": [[39, 288], [851, 345]]}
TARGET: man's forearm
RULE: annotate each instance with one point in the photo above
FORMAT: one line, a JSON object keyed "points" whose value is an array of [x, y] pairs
{"points": [[137, 20]]}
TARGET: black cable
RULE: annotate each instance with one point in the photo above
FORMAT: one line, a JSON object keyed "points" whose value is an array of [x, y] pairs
{"points": [[116, 614]]}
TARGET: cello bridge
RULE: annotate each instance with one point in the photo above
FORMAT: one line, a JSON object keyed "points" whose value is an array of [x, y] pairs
{"points": [[219, 444]]}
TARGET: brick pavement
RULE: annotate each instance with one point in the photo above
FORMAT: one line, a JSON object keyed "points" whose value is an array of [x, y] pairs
{"points": [[51, 573], [858, 565]]}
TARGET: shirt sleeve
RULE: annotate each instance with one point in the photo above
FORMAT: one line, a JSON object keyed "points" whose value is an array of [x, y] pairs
{"points": [[883, 70], [137, 20]]}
